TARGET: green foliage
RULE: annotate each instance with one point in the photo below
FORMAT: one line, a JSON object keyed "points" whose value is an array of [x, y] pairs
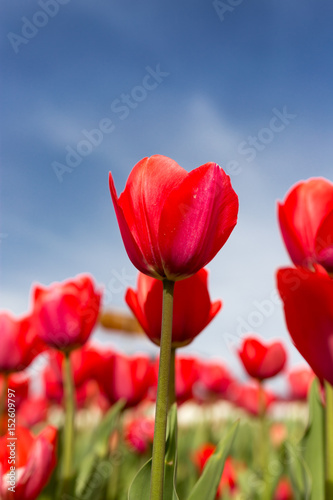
{"points": [[207, 485]]}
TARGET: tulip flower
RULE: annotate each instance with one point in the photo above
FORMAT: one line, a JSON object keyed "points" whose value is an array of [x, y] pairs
{"points": [[19, 342], [66, 313], [18, 382], [306, 222], [33, 410], [214, 380], [300, 380], [252, 398], [308, 308], [187, 373], [192, 311], [228, 482], [139, 434], [173, 222], [35, 459], [125, 377], [86, 364], [284, 490], [262, 361]]}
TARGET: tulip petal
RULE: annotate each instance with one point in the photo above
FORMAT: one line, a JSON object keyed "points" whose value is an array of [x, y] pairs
{"points": [[301, 214], [324, 242], [308, 307], [133, 251], [132, 301], [205, 201], [147, 187]]}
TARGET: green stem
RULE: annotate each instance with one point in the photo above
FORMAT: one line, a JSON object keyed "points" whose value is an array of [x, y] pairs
{"points": [[68, 444], [329, 440], [172, 381], [263, 441], [157, 470]]}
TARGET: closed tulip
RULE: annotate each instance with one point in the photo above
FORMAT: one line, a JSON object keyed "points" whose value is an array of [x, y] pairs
{"points": [[19, 342], [300, 380], [66, 313], [173, 222], [35, 460], [308, 307], [262, 361], [193, 309], [125, 377], [306, 222]]}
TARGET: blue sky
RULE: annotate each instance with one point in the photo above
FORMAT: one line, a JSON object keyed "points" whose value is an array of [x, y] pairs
{"points": [[223, 79]]}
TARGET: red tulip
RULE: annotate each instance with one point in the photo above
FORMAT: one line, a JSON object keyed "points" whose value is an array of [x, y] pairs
{"points": [[300, 380], [284, 490], [249, 397], [173, 222], [66, 313], [19, 383], [262, 361], [86, 364], [35, 459], [33, 410], [125, 377], [19, 343], [215, 380], [228, 482], [139, 434], [306, 222], [308, 309], [192, 311], [187, 373]]}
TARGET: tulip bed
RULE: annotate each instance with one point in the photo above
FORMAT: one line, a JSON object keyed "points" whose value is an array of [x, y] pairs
{"points": [[108, 426]]}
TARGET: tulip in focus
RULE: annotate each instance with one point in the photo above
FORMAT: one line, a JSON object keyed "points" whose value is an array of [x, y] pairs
{"points": [[66, 313], [308, 307], [34, 462], [174, 222], [262, 361], [192, 312], [306, 222]]}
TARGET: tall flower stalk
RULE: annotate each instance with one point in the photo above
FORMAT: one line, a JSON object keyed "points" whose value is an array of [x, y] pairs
{"points": [[157, 471]]}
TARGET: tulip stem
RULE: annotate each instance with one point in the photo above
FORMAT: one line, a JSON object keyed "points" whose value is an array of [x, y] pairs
{"points": [[329, 440], [69, 423], [172, 382], [263, 440], [157, 470]]}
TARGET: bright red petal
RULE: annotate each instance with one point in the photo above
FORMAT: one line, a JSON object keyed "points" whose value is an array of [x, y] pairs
{"points": [[197, 219], [308, 307]]}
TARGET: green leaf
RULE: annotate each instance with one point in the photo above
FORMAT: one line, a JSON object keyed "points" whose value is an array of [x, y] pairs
{"points": [[207, 485], [170, 468], [299, 472], [140, 487], [92, 474], [313, 443]]}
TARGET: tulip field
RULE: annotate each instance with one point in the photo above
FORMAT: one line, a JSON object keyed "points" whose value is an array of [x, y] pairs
{"points": [[105, 425]]}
